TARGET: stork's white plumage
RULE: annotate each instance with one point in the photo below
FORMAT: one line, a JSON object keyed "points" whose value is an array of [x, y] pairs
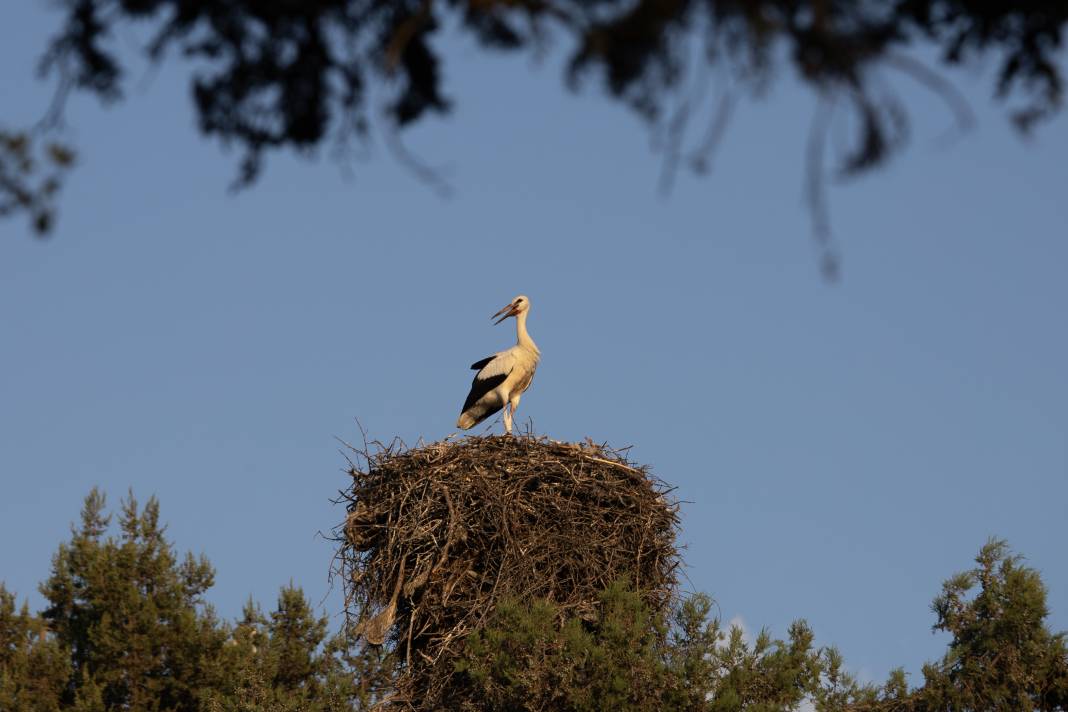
{"points": [[502, 377]]}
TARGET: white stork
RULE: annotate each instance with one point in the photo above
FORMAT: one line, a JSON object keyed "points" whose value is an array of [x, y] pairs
{"points": [[502, 377]]}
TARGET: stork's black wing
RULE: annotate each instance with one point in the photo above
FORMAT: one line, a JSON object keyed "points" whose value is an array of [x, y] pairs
{"points": [[482, 386], [492, 373]]}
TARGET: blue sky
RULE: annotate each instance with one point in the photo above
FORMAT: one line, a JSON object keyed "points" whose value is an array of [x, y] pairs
{"points": [[841, 448]]}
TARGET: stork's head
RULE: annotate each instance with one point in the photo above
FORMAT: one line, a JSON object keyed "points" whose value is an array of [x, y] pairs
{"points": [[516, 307]]}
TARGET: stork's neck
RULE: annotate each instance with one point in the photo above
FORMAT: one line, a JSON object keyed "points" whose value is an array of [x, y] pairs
{"points": [[521, 335]]}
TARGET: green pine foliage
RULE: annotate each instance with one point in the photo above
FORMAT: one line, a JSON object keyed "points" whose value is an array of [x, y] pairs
{"points": [[1002, 656], [131, 613], [126, 627], [524, 661], [285, 662], [34, 667], [630, 658], [767, 675]]}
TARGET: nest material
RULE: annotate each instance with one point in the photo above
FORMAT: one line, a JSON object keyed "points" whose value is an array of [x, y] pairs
{"points": [[437, 535]]}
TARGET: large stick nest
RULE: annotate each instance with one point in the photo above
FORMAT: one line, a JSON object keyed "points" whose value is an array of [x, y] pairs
{"points": [[437, 535]]}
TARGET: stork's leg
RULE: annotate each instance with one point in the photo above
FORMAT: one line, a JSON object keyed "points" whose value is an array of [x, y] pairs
{"points": [[507, 419], [515, 404]]}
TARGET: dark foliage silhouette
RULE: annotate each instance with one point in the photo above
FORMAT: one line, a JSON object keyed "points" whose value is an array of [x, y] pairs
{"points": [[284, 73]]}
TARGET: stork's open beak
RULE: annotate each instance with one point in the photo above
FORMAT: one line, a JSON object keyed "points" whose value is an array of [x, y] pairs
{"points": [[504, 313]]}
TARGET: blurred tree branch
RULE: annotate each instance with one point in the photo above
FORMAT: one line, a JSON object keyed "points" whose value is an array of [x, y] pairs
{"points": [[289, 73], [32, 170]]}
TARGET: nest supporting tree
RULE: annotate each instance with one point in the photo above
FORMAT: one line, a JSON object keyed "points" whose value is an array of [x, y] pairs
{"points": [[437, 535]]}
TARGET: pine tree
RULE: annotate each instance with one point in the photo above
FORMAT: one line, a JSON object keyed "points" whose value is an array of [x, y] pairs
{"points": [[126, 628], [285, 663], [631, 658], [33, 667], [131, 614], [765, 676], [294, 637], [1002, 656], [356, 670]]}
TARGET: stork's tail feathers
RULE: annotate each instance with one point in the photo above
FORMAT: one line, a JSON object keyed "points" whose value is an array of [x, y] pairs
{"points": [[477, 411]]}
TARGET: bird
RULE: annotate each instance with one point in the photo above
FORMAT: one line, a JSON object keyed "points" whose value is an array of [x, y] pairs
{"points": [[503, 377]]}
